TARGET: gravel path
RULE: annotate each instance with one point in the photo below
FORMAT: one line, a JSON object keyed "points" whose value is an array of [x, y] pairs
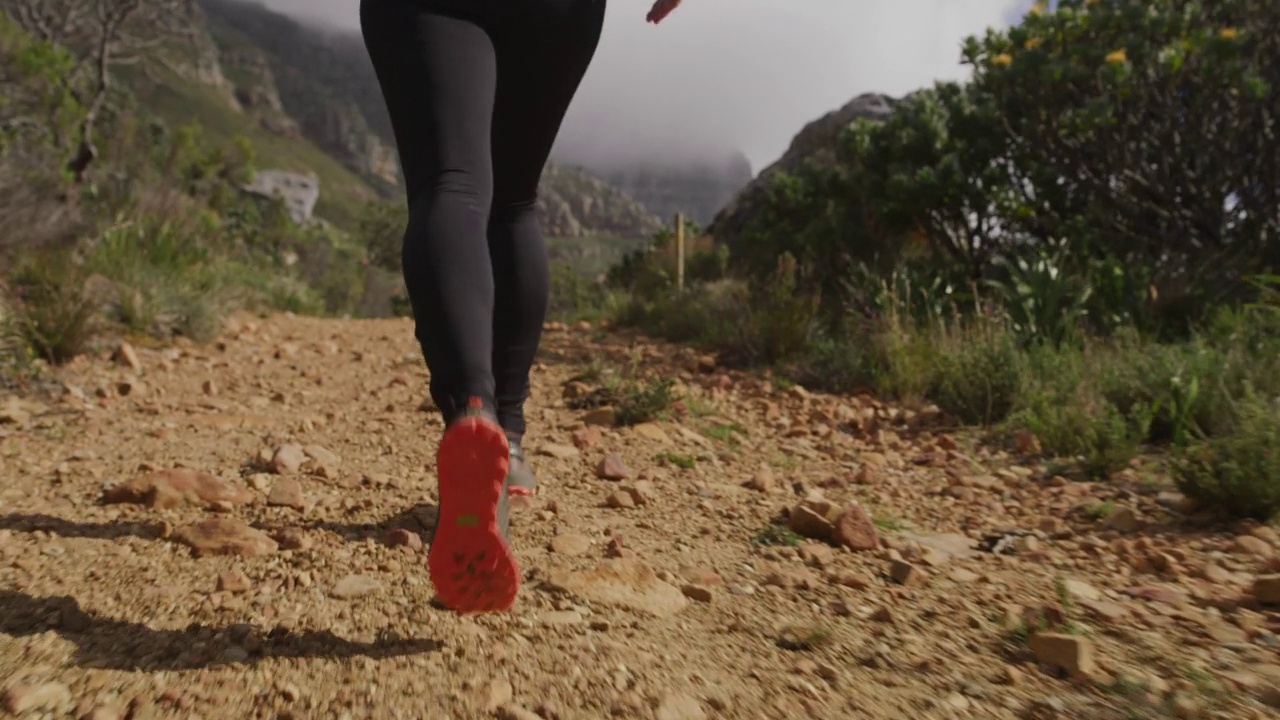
{"points": [[236, 531]]}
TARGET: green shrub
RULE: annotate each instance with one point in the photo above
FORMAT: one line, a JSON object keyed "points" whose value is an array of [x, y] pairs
{"points": [[169, 280], [1012, 181], [1113, 439], [51, 315], [1043, 301], [1163, 80], [1064, 406], [705, 266], [1238, 472], [1090, 431], [904, 362], [380, 231], [1133, 374], [641, 402], [715, 316], [843, 365], [979, 377], [782, 312], [267, 288], [1189, 387], [574, 296], [401, 306], [689, 318]]}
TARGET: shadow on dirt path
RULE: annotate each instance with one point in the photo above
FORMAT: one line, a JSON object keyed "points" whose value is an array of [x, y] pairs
{"points": [[107, 643], [39, 522]]}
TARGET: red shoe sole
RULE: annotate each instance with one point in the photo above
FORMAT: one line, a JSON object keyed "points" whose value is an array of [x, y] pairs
{"points": [[470, 563]]}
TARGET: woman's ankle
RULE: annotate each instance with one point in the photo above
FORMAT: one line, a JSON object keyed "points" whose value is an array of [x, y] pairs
{"points": [[473, 406]]}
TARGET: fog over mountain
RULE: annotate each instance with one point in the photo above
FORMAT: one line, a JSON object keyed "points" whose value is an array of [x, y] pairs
{"points": [[720, 76]]}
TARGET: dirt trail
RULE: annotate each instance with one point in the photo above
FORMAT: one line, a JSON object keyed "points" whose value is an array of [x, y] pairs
{"points": [[669, 593]]}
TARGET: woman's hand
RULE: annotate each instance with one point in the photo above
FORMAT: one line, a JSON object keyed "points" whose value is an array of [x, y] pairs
{"points": [[661, 9]]}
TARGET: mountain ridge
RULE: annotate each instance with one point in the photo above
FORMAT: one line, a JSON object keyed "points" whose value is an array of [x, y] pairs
{"points": [[202, 74], [815, 143], [327, 82]]}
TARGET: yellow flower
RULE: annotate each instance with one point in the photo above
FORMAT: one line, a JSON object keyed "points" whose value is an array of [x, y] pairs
{"points": [[1002, 59], [1117, 57], [1033, 43], [1228, 33]]}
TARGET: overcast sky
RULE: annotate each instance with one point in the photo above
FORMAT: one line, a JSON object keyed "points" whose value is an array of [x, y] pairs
{"points": [[746, 74]]}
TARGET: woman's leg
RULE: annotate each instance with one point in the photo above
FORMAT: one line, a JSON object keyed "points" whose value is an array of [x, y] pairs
{"points": [[442, 76], [542, 59], [438, 75]]}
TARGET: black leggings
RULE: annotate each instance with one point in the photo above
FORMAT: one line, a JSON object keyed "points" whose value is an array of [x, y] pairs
{"points": [[477, 90]]}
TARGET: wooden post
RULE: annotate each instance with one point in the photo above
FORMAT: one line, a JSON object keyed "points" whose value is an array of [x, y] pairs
{"points": [[680, 252]]}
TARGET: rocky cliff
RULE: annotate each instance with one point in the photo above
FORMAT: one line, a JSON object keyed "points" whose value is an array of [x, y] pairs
{"points": [[307, 76], [340, 127], [697, 188], [254, 88], [816, 143], [572, 203], [323, 81]]}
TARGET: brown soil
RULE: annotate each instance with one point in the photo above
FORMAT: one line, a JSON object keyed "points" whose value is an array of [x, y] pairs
{"points": [[266, 557]]}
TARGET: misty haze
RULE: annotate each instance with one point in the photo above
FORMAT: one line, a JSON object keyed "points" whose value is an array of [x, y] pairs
{"points": [[725, 76]]}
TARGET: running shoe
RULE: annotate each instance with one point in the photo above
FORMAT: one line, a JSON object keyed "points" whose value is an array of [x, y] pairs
{"points": [[470, 561]]}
